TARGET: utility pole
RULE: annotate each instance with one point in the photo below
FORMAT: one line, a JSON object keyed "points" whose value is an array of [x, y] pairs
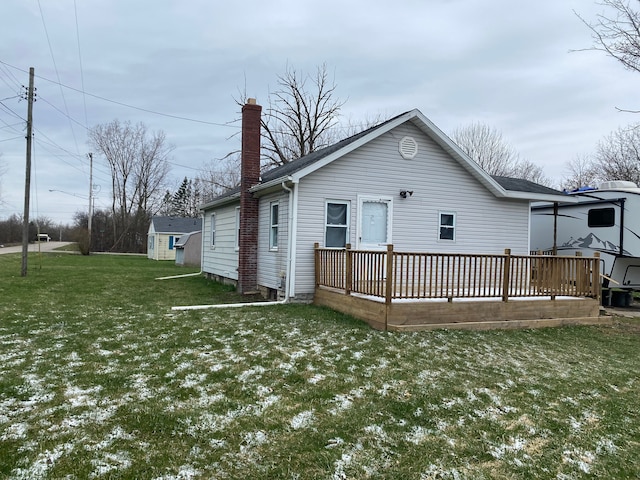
{"points": [[27, 183], [90, 197]]}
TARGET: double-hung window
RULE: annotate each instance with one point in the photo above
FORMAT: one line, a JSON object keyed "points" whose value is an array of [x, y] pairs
{"points": [[273, 227], [447, 226], [336, 229]]}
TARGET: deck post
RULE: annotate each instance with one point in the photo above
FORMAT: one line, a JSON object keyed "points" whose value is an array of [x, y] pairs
{"points": [[581, 273], [348, 281], [506, 266], [595, 279], [316, 260], [389, 282]]}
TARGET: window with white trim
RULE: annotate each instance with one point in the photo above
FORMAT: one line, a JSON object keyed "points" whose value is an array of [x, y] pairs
{"points": [[336, 229], [273, 227], [213, 229], [447, 226]]}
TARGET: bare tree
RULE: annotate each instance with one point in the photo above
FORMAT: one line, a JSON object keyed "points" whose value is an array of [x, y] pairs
{"points": [[487, 147], [581, 172], [139, 166], [299, 117], [530, 171], [617, 32], [617, 156], [218, 177]]}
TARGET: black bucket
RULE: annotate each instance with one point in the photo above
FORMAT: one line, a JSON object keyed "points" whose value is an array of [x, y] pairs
{"points": [[621, 299]]}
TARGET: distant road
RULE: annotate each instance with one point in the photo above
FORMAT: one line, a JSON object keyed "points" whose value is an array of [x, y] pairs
{"points": [[35, 247]]}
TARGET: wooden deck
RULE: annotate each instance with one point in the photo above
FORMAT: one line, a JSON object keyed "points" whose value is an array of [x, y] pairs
{"points": [[416, 291]]}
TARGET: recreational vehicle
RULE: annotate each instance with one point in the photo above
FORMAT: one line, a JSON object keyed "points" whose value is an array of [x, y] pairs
{"points": [[605, 219]]}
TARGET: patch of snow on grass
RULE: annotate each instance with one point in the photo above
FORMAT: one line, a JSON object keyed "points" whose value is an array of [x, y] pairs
{"points": [[185, 472], [45, 461], [253, 439], [437, 472], [418, 434], [334, 442], [79, 397], [110, 462], [318, 377], [581, 459], [302, 420], [15, 431], [515, 445], [605, 445], [193, 380], [256, 372]]}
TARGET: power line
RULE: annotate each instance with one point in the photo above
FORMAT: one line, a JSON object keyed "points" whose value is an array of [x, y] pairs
{"points": [[84, 98], [9, 139], [12, 77], [122, 104], [12, 112], [62, 113], [10, 126], [55, 66]]}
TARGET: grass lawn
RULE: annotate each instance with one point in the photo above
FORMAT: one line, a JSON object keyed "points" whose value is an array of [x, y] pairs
{"points": [[100, 379]]}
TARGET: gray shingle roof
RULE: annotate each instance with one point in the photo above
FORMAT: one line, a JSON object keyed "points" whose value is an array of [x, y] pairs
{"points": [[313, 157], [520, 185], [176, 224], [291, 168]]}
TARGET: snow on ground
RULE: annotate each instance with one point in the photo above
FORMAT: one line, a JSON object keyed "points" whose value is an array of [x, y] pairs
{"points": [[234, 387]]}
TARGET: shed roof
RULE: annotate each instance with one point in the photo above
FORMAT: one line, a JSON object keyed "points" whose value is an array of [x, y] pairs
{"points": [[176, 224]]}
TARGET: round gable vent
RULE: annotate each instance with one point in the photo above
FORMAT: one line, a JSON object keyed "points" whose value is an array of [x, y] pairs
{"points": [[408, 148]]}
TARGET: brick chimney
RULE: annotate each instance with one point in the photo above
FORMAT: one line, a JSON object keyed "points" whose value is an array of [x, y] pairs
{"points": [[250, 176]]}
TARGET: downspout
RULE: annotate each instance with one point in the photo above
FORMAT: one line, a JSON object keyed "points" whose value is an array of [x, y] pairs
{"points": [[291, 225], [289, 284], [293, 238], [555, 228]]}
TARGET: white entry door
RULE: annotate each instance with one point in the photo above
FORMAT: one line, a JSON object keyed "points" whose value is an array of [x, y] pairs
{"points": [[374, 223]]}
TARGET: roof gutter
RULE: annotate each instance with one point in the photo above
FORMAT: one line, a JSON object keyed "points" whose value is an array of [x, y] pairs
{"points": [[539, 197]]}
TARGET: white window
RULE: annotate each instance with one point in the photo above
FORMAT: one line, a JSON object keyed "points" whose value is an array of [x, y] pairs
{"points": [[237, 228], [447, 226], [273, 227], [336, 229], [213, 230]]}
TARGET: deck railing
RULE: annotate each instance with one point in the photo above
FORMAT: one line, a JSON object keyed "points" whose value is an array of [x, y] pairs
{"points": [[409, 275]]}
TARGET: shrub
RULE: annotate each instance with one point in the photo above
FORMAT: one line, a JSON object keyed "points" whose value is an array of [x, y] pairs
{"points": [[81, 235]]}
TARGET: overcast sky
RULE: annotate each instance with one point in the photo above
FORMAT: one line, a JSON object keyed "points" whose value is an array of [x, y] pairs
{"points": [[504, 63]]}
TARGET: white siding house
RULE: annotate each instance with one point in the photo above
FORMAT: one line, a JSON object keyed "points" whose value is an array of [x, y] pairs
{"points": [[402, 182], [163, 233]]}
